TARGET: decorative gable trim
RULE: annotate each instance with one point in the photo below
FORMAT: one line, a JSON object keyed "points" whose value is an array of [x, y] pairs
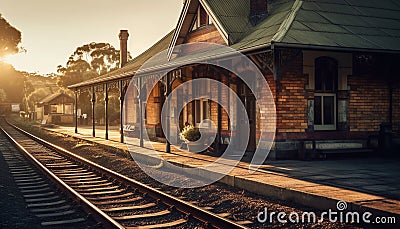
{"points": [[216, 21], [287, 23], [193, 5]]}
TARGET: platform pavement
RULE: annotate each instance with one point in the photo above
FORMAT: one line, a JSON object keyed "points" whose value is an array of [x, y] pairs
{"points": [[365, 184]]}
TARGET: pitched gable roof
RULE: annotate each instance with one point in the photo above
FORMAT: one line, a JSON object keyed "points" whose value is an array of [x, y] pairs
{"points": [[185, 22], [51, 97], [358, 24], [367, 24], [232, 15]]}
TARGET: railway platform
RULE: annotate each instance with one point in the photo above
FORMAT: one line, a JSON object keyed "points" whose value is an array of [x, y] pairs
{"points": [[365, 184]]}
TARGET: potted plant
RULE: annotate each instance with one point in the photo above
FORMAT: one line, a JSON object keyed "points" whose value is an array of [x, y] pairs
{"points": [[191, 135]]}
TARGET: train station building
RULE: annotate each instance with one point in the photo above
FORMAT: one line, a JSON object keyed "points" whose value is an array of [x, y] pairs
{"points": [[332, 67]]}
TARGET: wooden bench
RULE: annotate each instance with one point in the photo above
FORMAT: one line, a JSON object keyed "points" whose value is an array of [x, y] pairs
{"points": [[320, 149], [128, 130]]}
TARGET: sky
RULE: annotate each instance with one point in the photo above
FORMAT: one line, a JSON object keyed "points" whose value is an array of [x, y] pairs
{"points": [[53, 29]]}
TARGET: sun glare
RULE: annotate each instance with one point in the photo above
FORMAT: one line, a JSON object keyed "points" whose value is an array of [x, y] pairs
{"points": [[10, 59]]}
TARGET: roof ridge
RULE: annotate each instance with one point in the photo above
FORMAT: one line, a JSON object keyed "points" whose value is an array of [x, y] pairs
{"points": [[284, 28]]}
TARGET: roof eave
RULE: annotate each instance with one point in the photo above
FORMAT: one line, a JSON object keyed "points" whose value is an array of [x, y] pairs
{"points": [[330, 48]]}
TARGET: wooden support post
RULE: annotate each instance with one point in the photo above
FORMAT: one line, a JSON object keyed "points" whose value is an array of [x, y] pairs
{"points": [[140, 112], [219, 116], [93, 113], [168, 126], [121, 109], [76, 110], [106, 108]]}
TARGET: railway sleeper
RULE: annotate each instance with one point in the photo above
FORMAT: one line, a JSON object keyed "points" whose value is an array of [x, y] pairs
{"points": [[70, 176], [25, 184], [33, 188], [110, 197], [102, 193], [119, 201], [56, 214], [98, 189], [63, 222], [82, 186], [46, 204], [27, 171], [160, 225], [38, 195], [125, 208], [52, 209], [33, 200], [89, 179], [141, 216]]}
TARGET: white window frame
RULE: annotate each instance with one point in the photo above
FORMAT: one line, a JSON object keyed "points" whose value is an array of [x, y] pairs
{"points": [[323, 126], [207, 107]]}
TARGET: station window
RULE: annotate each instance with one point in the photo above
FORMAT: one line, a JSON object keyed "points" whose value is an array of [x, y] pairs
{"points": [[68, 109], [326, 81], [201, 111], [53, 109]]}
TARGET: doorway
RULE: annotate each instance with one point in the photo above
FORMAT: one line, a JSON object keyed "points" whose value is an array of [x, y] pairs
{"points": [[249, 103]]}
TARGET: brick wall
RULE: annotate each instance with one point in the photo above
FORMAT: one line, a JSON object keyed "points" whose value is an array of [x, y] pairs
{"points": [[153, 108], [207, 34], [214, 106], [266, 106], [291, 101], [396, 107], [369, 103]]}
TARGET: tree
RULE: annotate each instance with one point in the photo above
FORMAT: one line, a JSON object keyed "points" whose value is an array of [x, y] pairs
{"points": [[35, 97], [88, 61], [10, 38], [3, 95], [12, 82]]}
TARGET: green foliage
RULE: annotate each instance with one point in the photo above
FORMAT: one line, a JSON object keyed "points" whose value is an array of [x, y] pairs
{"points": [[113, 108], [12, 82], [38, 87], [10, 38], [190, 133], [3, 95], [87, 62]]}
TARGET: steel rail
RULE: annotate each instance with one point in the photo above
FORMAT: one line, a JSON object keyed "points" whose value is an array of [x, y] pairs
{"points": [[87, 206], [209, 218]]}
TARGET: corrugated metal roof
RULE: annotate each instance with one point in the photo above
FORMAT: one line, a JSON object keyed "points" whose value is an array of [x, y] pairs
{"points": [[353, 24], [268, 28], [366, 24], [51, 97], [233, 15]]}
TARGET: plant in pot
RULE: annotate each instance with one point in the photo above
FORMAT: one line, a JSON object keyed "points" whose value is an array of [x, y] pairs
{"points": [[191, 135]]}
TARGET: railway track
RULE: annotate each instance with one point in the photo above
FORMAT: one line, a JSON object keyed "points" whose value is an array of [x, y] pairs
{"points": [[111, 198], [41, 196]]}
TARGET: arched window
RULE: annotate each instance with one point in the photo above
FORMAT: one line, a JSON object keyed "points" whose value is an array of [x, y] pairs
{"points": [[326, 84], [326, 74]]}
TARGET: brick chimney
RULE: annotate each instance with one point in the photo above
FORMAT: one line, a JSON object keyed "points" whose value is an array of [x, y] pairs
{"points": [[123, 43], [258, 11]]}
